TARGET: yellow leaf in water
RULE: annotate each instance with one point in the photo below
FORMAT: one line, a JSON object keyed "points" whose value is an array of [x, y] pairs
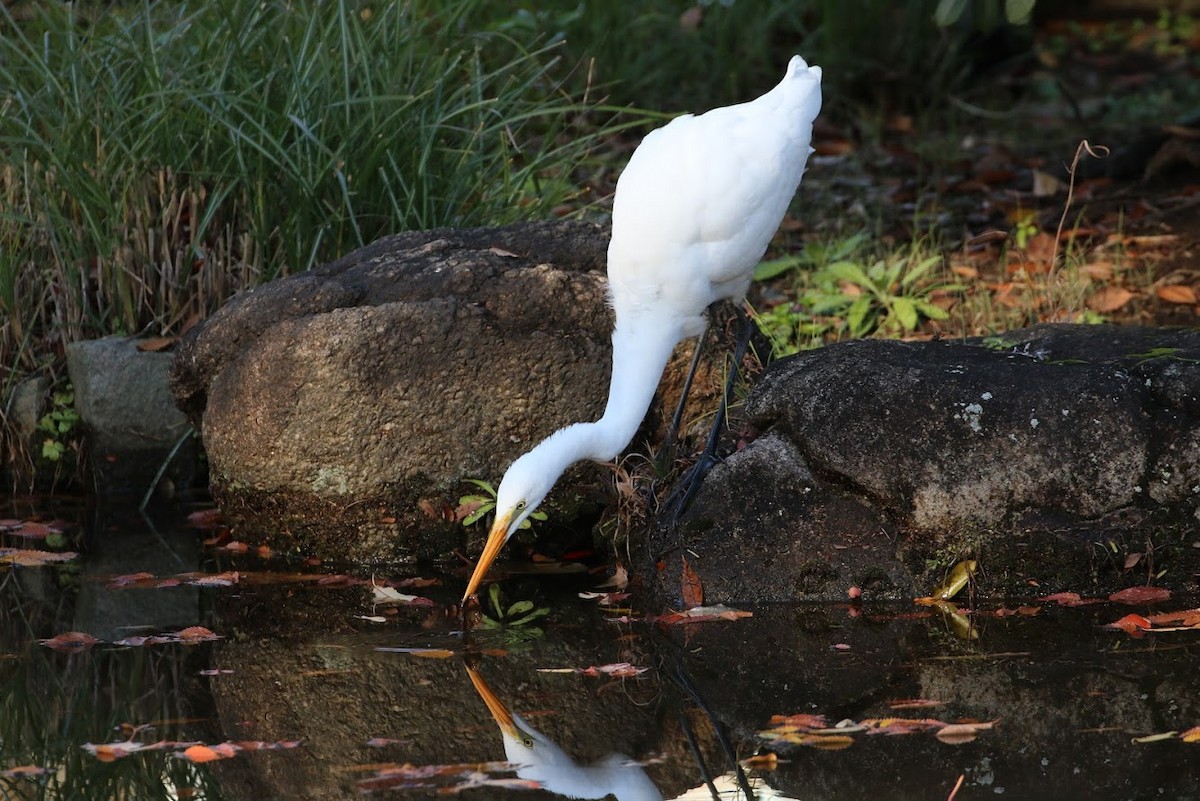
{"points": [[958, 578]]}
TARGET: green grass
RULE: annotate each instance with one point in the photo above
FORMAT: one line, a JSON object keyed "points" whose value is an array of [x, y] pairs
{"points": [[154, 160]]}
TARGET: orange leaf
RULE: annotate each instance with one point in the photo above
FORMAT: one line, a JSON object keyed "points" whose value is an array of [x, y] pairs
{"points": [[201, 753], [193, 634], [1177, 293], [1131, 624], [1109, 299], [691, 587]]}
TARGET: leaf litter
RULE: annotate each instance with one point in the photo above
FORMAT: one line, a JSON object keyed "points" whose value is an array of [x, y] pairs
{"points": [[813, 730]]}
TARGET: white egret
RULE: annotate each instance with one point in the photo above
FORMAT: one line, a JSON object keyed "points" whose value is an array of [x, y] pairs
{"points": [[694, 211], [539, 759]]}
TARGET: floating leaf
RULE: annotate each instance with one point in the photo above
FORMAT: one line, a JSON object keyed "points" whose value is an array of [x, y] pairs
{"points": [[1140, 595], [1131, 624], [27, 558], [959, 577], [70, 641]]}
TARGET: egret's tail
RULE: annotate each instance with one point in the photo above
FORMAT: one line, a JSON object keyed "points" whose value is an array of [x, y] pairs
{"points": [[802, 87]]}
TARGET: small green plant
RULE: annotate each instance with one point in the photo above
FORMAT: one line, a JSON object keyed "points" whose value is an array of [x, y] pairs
{"points": [[1026, 229], [475, 507], [514, 620], [58, 425], [887, 295], [841, 290]]}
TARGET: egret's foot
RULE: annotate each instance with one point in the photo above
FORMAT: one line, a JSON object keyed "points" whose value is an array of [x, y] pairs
{"points": [[687, 486]]}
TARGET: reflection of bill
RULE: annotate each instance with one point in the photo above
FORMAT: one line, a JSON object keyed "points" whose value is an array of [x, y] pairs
{"points": [[537, 759]]}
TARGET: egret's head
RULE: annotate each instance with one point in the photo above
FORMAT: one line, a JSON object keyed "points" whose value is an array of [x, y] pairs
{"points": [[523, 488]]}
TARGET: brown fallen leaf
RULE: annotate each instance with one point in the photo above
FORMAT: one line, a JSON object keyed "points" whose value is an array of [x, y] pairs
{"points": [[1140, 595], [1109, 299], [155, 344], [1177, 293], [957, 733], [70, 641]]}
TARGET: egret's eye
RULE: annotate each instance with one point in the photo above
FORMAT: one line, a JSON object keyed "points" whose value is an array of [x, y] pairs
{"points": [[520, 505], [528, 742]]}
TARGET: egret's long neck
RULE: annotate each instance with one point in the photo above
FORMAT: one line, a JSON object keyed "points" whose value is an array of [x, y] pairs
{"points": [[641, 349]]}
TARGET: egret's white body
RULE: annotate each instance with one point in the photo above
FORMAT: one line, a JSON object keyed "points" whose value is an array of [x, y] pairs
{"points": [[539, 759], [694, 211]]}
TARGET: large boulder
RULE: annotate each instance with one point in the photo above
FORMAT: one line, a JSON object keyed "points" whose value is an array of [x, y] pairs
{"points": [[1059, 456], [342, 408]]}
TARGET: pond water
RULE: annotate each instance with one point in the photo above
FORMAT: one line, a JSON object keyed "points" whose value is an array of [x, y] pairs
{"points": [[212, 673]]}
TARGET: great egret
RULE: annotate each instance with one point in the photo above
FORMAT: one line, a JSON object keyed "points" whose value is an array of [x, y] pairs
{"points": [[694, 211], [539, 759]]}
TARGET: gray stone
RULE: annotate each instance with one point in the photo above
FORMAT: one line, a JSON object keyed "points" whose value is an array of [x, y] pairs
{"points": [[1022, 452], [125, 405], [342, 408]]}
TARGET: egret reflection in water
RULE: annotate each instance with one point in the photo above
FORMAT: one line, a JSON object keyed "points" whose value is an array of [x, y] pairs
{"points": [[539, 759]]}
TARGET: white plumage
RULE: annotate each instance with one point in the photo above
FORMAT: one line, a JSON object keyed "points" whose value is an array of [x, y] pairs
{"points": [[539, 759], [694, 211]]}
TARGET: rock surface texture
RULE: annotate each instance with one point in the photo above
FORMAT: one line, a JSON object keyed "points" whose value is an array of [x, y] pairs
{"points": [[1052, 455], [133, 427], [341, 408]]}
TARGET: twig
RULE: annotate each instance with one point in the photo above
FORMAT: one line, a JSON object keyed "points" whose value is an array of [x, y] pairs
{"points": [[954, 792], [1097, 152]]}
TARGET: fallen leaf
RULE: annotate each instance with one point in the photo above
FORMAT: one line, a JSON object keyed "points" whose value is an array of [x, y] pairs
{"points": [[1132, 559], [767, 761], [28, 558], [200, 754], [1131, 624], [1192, 735], [1155, 738], [155, 344], [1177, 293], [70, 641], [959, 577], [382, 595], [957, 734], [1109, 299], [194, 634], [1140, 595], [1098, 270]]}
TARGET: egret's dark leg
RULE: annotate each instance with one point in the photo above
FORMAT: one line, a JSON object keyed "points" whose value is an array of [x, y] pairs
{"points": [[679, 675], [690, 481], [698, 755], [677, 418]]}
